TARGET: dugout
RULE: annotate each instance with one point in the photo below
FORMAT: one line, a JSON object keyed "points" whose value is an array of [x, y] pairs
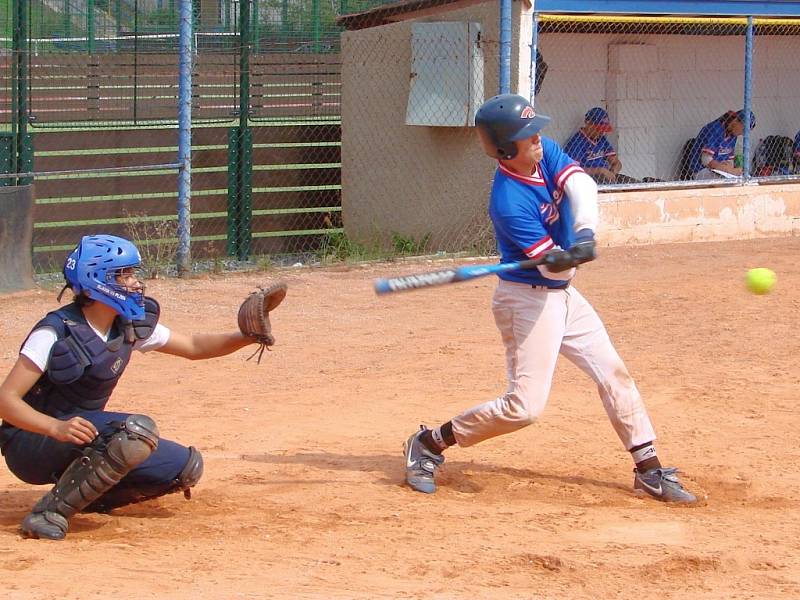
{"points": [[661, 78]]}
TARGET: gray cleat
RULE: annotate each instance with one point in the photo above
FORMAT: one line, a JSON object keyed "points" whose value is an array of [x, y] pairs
{"points": [[662, 484], [421, 463]]}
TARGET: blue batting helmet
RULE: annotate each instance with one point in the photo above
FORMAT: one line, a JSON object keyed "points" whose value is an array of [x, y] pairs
{"points": [[92, 268], [503, 120]]}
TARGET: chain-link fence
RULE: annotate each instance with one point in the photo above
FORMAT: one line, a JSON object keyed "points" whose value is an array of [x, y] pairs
{"points": [[410, 89], [673, 90], [96, 95], [642, 102], [344, 130]]}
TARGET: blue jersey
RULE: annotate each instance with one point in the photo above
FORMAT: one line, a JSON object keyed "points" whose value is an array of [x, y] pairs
{"points": [[530, 214], [713, 141], [796, 147], [590, 154]]}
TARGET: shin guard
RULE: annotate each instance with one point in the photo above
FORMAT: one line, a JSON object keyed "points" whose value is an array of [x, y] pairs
{"points": [[101, 466]]}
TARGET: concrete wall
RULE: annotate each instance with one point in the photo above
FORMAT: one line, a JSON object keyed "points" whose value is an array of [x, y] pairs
{"points": [[629, 218]]}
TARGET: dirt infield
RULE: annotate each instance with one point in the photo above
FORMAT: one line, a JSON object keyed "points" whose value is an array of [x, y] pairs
{"points": [[303, 493]]}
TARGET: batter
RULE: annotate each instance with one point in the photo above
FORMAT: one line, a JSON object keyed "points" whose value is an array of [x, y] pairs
{"points": [[543, 204]]}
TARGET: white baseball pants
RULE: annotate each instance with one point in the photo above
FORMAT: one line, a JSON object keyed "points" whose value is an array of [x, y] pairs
{"points": [[536, 325]]}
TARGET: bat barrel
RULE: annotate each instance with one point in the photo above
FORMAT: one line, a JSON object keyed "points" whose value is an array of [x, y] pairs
{"points": [[413, 282]]}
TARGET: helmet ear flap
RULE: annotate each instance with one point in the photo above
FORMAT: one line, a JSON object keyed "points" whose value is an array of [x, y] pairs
{"points": [[507, 151]]}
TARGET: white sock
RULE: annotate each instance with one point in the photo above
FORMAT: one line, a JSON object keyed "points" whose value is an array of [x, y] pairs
{"points": [[643, 454]]}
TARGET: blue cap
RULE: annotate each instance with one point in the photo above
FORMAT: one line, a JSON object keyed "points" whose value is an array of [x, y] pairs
{"points": [[741, 114], [599, 117]]}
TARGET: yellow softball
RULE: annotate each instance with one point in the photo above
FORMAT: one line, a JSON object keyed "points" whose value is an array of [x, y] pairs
{"points": [[761, 280]]}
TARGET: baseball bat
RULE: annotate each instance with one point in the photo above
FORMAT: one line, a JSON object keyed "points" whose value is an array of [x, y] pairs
{"points": [[445, 276]]}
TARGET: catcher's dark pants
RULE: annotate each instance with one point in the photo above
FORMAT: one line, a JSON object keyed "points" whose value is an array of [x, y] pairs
{"points": [[39, 460]]}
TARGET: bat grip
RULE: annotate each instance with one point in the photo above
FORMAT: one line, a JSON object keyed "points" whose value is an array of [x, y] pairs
{"points": [[531, 263]]}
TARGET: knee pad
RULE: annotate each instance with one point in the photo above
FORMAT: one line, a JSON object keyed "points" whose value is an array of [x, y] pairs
{"points": [[134, 441], [191, 473]]}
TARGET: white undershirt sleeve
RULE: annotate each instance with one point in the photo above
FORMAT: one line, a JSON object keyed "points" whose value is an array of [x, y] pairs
{"points": [[157, 339], [581, 190], [38, 345], [706, 158]]}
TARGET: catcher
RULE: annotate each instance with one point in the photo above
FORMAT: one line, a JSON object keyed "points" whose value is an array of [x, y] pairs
{"points": [[55, 427]]}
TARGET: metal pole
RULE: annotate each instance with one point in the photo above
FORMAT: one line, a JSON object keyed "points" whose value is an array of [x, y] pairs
{"points": [[244, 64], [285, 21], [17, 45], [315, 24], [135, 59], [243, 155], [19, 91], [185, 26], [90, 26], [534, 50], [67, 19], [748, 94], [505, 46]]}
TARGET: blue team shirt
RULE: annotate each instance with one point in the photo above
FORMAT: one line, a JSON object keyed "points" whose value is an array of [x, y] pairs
{"points": [[530, 214], [796, 147], [712, 141], [590, 154]]}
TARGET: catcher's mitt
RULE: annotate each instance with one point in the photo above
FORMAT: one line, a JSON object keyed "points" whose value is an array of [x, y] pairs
{"points": [[254, 315]]}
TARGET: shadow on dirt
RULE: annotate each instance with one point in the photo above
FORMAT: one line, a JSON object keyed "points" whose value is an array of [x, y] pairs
{"points": [[455, 472]]}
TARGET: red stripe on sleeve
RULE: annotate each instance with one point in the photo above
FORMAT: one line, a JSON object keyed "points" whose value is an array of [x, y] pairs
{"points": [[539, 248], [565, 174]]}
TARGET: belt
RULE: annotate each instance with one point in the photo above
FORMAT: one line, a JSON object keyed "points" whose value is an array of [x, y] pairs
{"points": [[561, 286]]}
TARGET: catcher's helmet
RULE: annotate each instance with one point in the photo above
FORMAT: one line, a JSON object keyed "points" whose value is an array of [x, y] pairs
{"points": [[92, 267], [506, 119]]}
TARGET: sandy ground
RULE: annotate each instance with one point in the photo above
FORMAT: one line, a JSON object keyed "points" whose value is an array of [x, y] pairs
{"points": [[303, 494]]}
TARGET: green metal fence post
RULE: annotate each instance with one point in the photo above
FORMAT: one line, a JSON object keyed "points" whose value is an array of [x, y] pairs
{"points": [[117, 15], [240, 152], [285, 21], [246, 190], [67, 19], [245, 150], [316, 24], [232, 246], [19, 91], [90, 26]]}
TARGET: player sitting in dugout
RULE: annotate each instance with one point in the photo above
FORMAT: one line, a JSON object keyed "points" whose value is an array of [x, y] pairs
{"points": [[796, 153], [714, 147], [590, 148], [55, 425]]}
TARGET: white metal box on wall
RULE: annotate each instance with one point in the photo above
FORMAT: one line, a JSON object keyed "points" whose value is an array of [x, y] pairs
{"points": [[446, 82]]}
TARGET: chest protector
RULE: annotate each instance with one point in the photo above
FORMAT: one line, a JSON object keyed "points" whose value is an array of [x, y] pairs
{"points": [[83, 370]]}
